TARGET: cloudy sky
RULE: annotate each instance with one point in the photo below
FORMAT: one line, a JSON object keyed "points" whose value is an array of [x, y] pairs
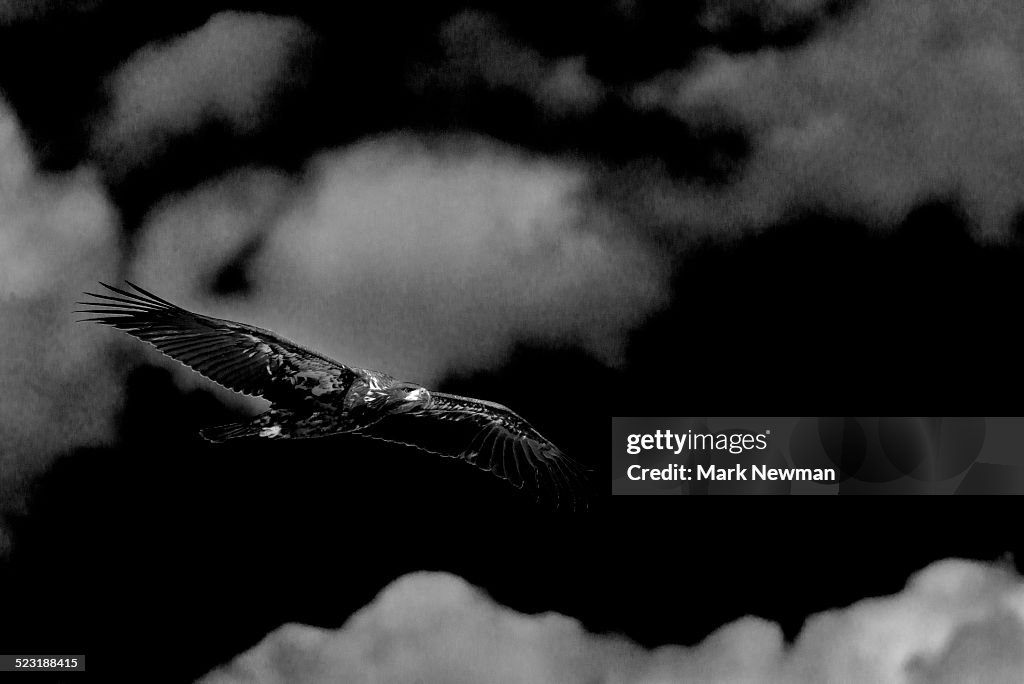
{"points": [[784, 207]]}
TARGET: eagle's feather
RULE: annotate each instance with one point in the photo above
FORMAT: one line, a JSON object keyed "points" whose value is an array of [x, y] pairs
{"points": [[240, 357]]}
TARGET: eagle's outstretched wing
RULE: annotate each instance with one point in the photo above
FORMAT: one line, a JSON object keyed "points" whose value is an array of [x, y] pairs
{"points": [[491, 437], [241, 357]]}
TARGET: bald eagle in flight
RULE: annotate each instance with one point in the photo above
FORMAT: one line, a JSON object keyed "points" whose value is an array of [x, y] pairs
{"points": [[312, 395]]}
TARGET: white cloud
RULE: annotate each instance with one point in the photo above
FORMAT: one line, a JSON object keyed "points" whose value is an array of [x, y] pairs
{"points": [[409, 256], [226, 71], [892, 104], [433, 627], [58, 234]]}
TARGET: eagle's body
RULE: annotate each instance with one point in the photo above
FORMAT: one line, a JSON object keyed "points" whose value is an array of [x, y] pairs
{"points": [[312, 395]]}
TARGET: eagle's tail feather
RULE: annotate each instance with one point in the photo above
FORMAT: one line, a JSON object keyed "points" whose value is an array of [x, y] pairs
{"points": [[221, 433], [266, 424]]}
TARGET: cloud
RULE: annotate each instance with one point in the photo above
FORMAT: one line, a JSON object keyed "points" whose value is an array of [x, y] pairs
{"points": [[996, 642], [15, 11], [433, 627], [895, 103], [58, 234], [416, 257], [771, 15], [479, 52], [228, 71]]}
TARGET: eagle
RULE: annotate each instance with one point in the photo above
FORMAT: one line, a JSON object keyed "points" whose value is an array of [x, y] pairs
{"points": [[314, 396]]}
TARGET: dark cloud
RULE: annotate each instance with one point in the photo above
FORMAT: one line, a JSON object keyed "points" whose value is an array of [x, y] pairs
{"points": [[480, 53], [15, 11], [781, 20]]}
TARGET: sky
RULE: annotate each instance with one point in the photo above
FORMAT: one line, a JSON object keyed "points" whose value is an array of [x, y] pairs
{"points": [[469, 242], [777, 207]]}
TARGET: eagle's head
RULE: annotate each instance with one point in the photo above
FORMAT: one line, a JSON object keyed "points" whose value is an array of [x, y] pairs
{"points": [[406, 396]]}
